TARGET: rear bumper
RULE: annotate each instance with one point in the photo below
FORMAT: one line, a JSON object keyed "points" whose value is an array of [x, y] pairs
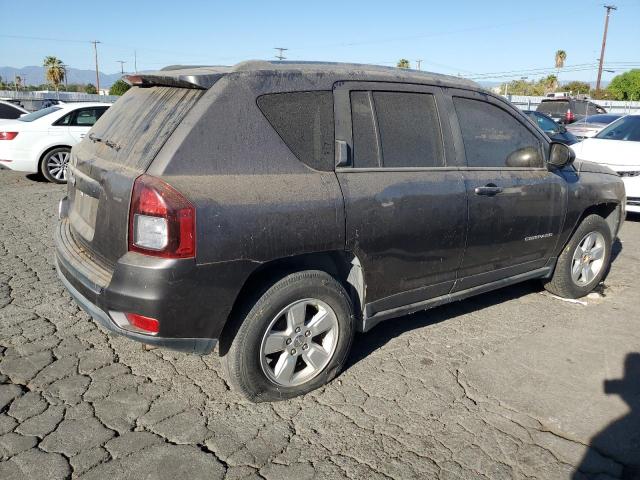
{"points": [[193, 345], [191, 302]]}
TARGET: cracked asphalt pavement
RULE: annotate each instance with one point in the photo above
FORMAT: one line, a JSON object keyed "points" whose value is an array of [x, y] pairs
{"points": [[510, 384]]}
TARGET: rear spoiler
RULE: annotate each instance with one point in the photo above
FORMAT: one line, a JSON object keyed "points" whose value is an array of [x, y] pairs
{"points": [[189, 77]]}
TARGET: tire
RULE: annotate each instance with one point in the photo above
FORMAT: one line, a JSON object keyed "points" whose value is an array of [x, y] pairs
{"points": [[259, 361], [54, 165], [569, 284]]}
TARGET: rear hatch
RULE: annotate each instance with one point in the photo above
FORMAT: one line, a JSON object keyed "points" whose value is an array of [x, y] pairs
{"points": [[118, 149], [556, 109]]}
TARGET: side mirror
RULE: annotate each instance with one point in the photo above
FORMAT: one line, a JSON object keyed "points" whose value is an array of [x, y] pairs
{"points": [[560, 155], [524, 157]]}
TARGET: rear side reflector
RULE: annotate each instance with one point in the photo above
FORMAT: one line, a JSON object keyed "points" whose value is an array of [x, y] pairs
{"points": [[147, 324], [162, 222], [8, 135]]}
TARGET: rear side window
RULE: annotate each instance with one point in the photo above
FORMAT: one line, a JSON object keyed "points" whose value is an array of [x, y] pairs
{"points": [[493, 138], [304, 121], [409, 128], [134, 129], [554, 107], [87, 117], [365, 141]]}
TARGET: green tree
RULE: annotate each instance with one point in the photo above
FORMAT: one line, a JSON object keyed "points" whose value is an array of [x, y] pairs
{"points": [[120, 87], [576, 87], [404, 63], [549, 84], [90, 88], [54, 70], [626, 86]]}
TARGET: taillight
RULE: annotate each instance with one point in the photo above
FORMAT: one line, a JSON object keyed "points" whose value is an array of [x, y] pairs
{"points": [[162, 222], [8, 135], [569, 117], [141, 322]]}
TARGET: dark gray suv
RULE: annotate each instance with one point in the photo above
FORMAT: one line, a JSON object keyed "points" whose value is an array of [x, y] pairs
{"points": [[276, 209]]}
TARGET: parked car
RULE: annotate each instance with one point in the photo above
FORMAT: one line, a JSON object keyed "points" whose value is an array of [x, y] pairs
{"points": [[41, 141], [10, 111], [618, 147], [568, 110], [278, 208], [591, 125], [555, 131]]}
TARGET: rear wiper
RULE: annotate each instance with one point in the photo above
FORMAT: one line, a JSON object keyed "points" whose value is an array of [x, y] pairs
{"points": [[94, 139], [108, 143]]}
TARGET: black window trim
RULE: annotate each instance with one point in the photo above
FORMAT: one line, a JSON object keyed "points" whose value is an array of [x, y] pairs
{"points": [[510, 110], [344, 132]]}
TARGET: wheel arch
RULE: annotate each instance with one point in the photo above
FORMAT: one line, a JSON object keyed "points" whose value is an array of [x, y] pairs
{"points": [[47, 150], [342, 265], [610, 211]]}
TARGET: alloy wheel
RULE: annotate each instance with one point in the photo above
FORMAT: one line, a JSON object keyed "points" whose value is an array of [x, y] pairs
{"points": [[57, 165], [588, 258], [299, 342]]}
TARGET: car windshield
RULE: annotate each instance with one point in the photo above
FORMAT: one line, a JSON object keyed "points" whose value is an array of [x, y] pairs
{"points": [[30, 117], [626, 129], [606, 119]]}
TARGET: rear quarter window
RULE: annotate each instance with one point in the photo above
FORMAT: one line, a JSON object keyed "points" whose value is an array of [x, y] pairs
{"points": [[304, 121]]}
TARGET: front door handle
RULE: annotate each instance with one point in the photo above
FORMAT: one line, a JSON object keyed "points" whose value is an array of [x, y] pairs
{"points": [[489, 190]]}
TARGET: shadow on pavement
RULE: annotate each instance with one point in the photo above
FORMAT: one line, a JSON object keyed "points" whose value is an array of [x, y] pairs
{"points": [[616, 249], [366, 343], [36, 177], [620, 441], [633, 217]]}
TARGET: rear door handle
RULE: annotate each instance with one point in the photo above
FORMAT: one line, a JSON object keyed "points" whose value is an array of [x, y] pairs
{"points": [[488, 190]]}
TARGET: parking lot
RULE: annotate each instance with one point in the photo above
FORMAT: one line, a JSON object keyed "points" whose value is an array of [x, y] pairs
{"points": [[511, 384]]}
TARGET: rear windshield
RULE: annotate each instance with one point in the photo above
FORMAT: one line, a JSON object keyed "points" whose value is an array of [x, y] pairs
{"points": [[134, 129], [606, 119], [304, 120], [625, 129], [556, 107], [30, 117]]}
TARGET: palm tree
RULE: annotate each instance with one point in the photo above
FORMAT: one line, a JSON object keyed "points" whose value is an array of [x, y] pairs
{"points": [[403, 63], [55, 71], [561, 56]]}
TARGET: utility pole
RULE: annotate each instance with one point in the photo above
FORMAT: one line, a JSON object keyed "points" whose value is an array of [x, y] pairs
{"points": [[604, 43], [95, 51], [66, 83], [135, 61], [418, 62], [280, 55], [121, 62]]}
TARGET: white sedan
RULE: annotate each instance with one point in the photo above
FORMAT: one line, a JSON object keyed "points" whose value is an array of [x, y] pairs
{"points": [[41, 141], [618, 147]]}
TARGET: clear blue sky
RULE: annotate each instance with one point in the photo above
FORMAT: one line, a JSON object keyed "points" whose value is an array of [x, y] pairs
{"points": [[466, 37]]}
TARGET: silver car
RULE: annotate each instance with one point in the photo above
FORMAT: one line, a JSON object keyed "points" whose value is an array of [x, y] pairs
{"points": [[590, 126]]}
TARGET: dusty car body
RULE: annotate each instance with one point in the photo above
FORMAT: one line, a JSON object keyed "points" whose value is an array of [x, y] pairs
{"points": [[286, 168]]}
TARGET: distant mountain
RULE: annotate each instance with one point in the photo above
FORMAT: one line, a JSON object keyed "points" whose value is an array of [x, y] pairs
{"points": [[36, 76]]}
